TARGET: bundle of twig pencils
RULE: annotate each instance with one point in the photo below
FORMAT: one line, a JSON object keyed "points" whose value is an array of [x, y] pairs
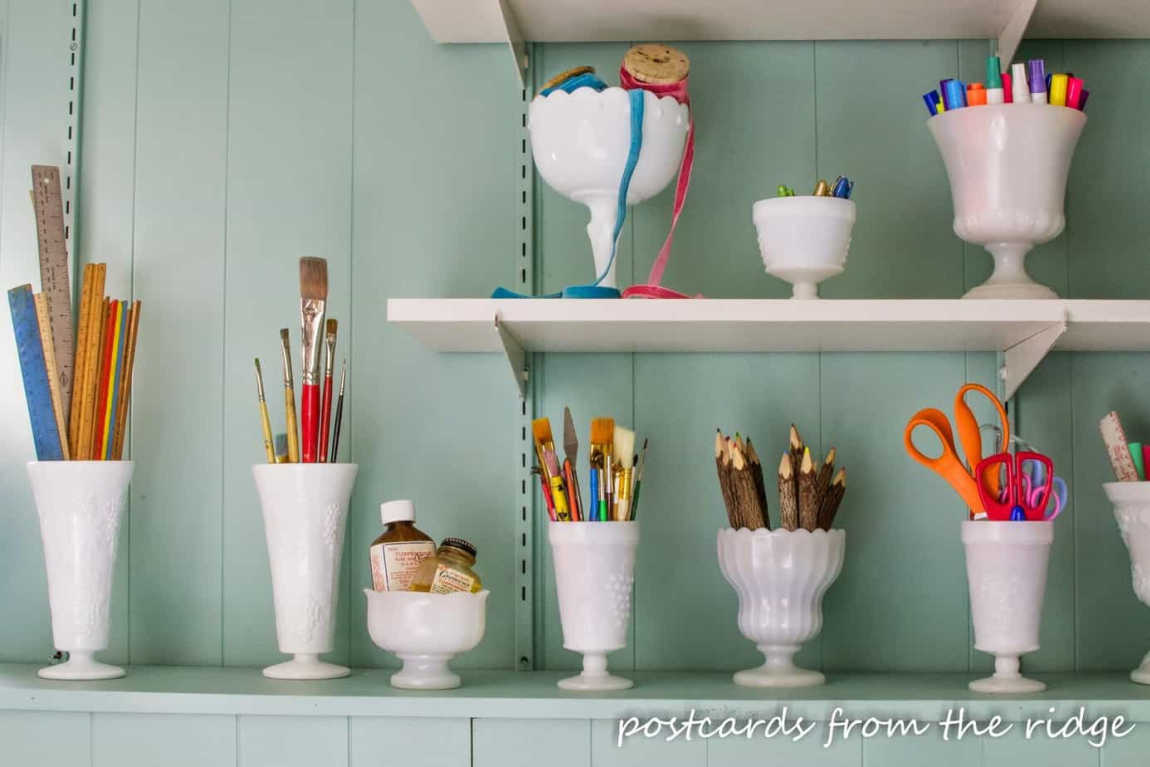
{"points": [[809, 493]]}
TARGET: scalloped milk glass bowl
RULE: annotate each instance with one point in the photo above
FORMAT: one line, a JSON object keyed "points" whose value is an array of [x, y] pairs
{"points": [[780, 577], [580, 142], [1007, 165], [594, 572], [425, 631], [305, 515], [1132, 510], [804, 240], [80, 505], [1006, 571]]}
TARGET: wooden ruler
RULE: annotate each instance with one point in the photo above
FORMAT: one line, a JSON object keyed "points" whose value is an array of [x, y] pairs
{"points": [[54, 282], [44, 324], [45, 432]]}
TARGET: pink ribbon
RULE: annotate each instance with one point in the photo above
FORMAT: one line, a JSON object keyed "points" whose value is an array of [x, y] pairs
{"points": [[678, 91]]}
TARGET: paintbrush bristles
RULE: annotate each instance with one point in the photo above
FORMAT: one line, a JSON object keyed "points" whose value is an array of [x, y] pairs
{"points": [[624, 441], [602, 431], [332, 328], [313, 278], [541, 429]]}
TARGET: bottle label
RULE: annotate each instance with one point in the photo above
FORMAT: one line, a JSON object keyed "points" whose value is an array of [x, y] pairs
{"points": [[393, 565], [448, 580]]}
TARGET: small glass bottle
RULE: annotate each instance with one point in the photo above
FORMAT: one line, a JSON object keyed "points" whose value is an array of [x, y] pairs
{"points": [[399, 551], [449, 570]]}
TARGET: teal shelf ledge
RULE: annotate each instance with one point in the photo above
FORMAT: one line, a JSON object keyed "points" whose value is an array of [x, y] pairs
{"points": [[533, 695]]}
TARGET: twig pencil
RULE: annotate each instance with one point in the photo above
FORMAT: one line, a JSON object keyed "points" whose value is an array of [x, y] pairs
{"points": [[823, 476], [722, 468], [743, 489], [788, 497], [834, 499], [338, 413], [757, 476], [808, 493], [290, 424], [265, 422]]}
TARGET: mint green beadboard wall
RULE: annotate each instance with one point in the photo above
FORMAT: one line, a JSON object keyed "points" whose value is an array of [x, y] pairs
{"points": [[224, 140]]}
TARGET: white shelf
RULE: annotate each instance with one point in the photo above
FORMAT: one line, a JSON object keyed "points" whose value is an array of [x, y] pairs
{"points": [[1024, 330]]}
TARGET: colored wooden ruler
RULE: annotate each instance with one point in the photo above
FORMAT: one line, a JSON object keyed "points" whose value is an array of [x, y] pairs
{"points": [[45, 435], [54, 282]]}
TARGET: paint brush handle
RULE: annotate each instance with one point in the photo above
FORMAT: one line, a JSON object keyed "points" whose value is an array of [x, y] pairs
{"points": [[291, 425], [574, 501], [309, 421], [325, 417], [547, 496], [269, 443]]}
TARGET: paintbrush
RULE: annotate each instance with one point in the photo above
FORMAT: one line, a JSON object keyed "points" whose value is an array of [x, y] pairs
{"points": [[328, 365], [289, 399], [638, 480], [570, 456], [312, 300], [602, 443], [338, 412], [549, 464], [623, 444], [265, 422], [281, 448]]}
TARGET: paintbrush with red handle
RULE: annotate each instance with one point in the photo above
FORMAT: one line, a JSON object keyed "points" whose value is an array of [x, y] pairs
{"points": [[313, 297], [328, 366]]}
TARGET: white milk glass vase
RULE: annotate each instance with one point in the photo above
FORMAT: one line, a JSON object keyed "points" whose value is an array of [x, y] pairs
{"points": [[780, 577], [305, 515], [804, 240], [80, 505], [594, 574], [1132, 510]]}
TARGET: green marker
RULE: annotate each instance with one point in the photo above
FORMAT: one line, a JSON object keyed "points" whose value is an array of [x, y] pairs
{"points": [[994, 92], [1136, 454], [785, 191]]}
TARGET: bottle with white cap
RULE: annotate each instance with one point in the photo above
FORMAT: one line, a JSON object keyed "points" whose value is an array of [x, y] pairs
{"points": [[399, 551]]}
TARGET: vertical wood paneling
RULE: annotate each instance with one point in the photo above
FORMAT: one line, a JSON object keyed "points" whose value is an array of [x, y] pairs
{"points": [[409, 742], [435, 212], [181, 155], [173, 740], [809, 751], [914, 751], [33, 104], [289, 196], [45, 738], [292, 741], [107, 193], [527, 743], [1129, 751], [642, 752], [1013, 748]]}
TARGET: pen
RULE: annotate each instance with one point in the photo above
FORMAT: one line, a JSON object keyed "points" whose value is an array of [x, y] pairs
{"points": [[1058, 88], [994, 85], [1037, 80], [1019, 88]]}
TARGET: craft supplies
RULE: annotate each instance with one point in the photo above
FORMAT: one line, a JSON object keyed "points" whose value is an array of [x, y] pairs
{"points": [[948, 464], [328, 368], [1023, 497], [265, 422], [307, 435], [552, 476], [570, 458], [51, 241], [602, 436], [624, 448], [1025, 84], [1136, 454], [841, 188], [809, 496], [1118, 449], [313, 298], [400, 549], [449, 570], [88, 420]]}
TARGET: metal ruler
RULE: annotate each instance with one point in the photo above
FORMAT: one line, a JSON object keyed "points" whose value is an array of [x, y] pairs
{"points": [[45, 432], [54, 282]]}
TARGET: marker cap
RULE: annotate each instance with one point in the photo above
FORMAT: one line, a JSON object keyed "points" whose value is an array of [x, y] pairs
{"points": [[1019, 89], [1007, 93], [954, 94], [1058, 88], [993, 73], [1037, 75], [1073, 91], [931, 101], [397, 511]]}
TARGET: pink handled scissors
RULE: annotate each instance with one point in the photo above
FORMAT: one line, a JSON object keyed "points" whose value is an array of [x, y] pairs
{"points": [[1032, 475]]}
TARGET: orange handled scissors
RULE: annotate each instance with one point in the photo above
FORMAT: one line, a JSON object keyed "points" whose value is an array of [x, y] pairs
{"points": [[948, 465]]}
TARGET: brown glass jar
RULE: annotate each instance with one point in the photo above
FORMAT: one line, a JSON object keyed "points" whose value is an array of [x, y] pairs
{"points": [[397, 554]]}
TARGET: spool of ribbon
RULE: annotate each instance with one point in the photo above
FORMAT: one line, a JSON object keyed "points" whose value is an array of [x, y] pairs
{"points": [[678, 91]]}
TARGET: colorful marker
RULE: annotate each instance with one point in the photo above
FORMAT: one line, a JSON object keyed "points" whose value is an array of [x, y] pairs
{"points": [[1007, 94], [1082, 100], [1139, 462], [975, 95], [843, 188], [953, 94], [1073, 91], [1058, 87], [1037, 80], [994, 85], [931, 101], [1019, 88]]}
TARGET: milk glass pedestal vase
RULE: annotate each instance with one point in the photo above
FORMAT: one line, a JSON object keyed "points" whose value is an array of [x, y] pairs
{"points": [[1007, 165], [1006, 570], [425, 631], [305, 514], [580, 142], [594, 573], [780, 577], [1132, 510], [80, 504], [804, 240]]}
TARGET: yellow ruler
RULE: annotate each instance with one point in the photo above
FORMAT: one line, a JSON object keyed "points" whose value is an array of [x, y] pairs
{"points": [[54, 282]]}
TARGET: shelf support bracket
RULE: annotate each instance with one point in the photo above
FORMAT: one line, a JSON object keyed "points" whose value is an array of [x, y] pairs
{"points": [[516, 357], [1021, 359], [515, 42], [1011, 33]]}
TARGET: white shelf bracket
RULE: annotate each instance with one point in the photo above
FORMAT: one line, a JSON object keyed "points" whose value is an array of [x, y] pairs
{"points": [[516, 357], [1011, 34], [514, 38], [1021, 359]]}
